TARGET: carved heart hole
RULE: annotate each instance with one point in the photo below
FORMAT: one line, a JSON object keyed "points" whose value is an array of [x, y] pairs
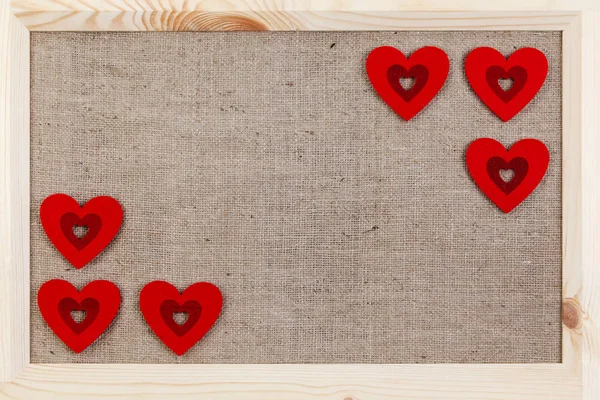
{"points": [[78, 315], [506, 83], [507, 175], [407, 82], [180, 318], [80, 231]]}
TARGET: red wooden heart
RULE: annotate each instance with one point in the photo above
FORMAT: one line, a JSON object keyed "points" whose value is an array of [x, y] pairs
{"points": [[57, 299], [428, 66], [527, 67], [60, 213], [528, 158], [202, 301]]}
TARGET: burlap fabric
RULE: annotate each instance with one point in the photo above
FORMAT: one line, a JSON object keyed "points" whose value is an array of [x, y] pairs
{"points": [[266, 164]]}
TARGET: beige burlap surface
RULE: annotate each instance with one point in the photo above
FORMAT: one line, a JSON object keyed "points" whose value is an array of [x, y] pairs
{"points": [[266, 164]]}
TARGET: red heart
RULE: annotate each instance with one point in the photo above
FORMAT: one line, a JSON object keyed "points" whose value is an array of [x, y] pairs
{"points": [[202, 301], [428, 66], [528, 158], [57, 299], [60, 213], [527, 67]]}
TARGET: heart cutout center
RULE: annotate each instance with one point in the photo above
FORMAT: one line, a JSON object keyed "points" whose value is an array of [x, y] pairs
{"points": [[80, 231], [172, 313], [180, 318], [506, 84], [78, 316], [407, 83], [507, 175]]}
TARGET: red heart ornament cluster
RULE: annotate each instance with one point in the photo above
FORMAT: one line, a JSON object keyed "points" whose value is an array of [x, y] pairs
{"points": [[428, 67], [100, 300], [159, 302]]}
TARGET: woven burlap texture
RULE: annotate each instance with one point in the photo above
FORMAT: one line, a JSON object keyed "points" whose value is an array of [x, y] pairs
{"points": [[266, 164]]}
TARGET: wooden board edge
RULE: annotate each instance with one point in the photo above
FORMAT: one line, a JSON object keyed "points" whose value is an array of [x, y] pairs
{"points": [[296, 382], [17, 35], [589, 297], [300, 5], [571, 188], [192, 21], [14, 195]]}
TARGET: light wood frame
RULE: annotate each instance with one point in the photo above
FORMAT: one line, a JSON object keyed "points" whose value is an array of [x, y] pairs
{"points": [[577, 377]]}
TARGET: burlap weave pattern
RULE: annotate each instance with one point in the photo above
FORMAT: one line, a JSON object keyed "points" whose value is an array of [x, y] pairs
{"points": [[266, 164]]}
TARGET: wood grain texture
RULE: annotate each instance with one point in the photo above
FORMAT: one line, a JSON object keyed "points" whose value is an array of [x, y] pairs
{"points": [[572, 175], [589, 297], [295, 382], [14, 194], [287, 20], [301, 5], [198, 15]]}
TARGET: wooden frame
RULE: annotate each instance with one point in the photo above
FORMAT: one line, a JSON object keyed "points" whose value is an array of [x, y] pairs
{"points": [[577, 377]]}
